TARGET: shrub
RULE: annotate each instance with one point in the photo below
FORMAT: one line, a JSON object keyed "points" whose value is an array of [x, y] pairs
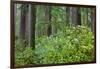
{"points": [[24, 55], [66, 46], [70, 45]]}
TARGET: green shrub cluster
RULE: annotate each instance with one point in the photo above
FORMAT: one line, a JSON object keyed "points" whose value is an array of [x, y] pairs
{"points": [[24, 55], [69, 45]]}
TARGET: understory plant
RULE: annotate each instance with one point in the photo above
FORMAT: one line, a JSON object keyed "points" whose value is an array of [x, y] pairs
{"points": [[69, 45]]}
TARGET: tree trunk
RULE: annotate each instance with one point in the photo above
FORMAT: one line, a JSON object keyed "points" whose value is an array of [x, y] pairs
{"points": [[79, 16], [15, 14], [75, 16], [32, 21], [67, 16], [92, 19], [48, 20], [22, 21]]}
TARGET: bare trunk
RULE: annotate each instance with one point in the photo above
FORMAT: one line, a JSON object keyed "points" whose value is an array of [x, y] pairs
{"points": [[48, 19], [67, 16], [75, 16], [92, 19], [32, 21], [23, 22]]}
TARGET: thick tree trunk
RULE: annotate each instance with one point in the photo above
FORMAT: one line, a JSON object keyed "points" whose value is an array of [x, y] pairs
{"points": [[92, 19], [48, 20], [87, 16], [31, 22], [15, 14], [22, 22], [82, 16], [27, 25], [75, 16], [67, 16], [78, 16]]}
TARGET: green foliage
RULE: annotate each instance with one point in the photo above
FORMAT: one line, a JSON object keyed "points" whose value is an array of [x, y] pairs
{"points": [[71, 45], [23, 55], [66, 43]]}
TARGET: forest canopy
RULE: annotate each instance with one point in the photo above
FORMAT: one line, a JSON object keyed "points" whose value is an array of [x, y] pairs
{"points": [[49, 34]]}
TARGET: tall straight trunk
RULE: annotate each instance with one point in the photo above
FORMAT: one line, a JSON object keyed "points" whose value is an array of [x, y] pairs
{"points": [[32, 21], [75, 16], [92, 19], [87, 15], [27, 24], [22, 22], [79, 16], [15, 14], [48, 20], [82, 16], [67, 16]]}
